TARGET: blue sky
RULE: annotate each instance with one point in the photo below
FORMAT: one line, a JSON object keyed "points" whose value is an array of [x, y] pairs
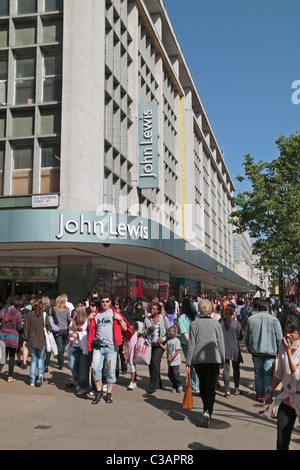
{"points": [[244, 56]]}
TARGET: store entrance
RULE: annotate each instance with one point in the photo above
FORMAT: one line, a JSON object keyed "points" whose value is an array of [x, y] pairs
{"points": [[17, 287]]}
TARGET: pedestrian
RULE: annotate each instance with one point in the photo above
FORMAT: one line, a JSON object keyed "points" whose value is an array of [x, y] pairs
{"points": [[263, 334], [155, 329], [232, 332], [170, 309], [79, 360], [287, 404], [206, 352], [62, 318], [107, 327], [174, 359], [11, 326], [34, 337], [54, 328], [188, 315], [130, 356]]}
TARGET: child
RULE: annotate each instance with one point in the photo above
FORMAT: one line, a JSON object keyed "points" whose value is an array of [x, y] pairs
{"points": [[130, 355], [174, 359]]}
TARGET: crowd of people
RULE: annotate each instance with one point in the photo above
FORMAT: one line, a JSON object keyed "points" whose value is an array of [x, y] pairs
{"points": [[101, 333]]}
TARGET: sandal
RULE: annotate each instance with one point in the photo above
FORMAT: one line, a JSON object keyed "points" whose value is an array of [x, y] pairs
{"points": [[227, 395], [10, 380]]}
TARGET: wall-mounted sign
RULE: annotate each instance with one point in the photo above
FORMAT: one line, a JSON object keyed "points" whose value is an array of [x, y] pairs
{"points": [[148, 145], [236, 248], [45, 200]]}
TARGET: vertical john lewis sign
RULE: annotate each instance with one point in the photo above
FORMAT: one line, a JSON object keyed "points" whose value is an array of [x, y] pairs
{"points": [[148, 145]]}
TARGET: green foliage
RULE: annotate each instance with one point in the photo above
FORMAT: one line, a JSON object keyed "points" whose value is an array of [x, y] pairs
{"points": [[270, 211]]}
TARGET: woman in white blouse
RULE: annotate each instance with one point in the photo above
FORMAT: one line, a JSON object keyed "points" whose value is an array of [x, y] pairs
{"points": [[287, 403]]}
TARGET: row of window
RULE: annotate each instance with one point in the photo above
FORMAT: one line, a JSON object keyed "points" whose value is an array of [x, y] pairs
{"points": [[25, 78], [22, 167], [26, 7]]}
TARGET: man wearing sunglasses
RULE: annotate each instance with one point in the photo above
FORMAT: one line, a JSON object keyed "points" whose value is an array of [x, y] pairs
{"points": [[108, 326]]}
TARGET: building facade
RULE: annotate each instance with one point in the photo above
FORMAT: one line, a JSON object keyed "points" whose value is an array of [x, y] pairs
{"points": [[110, 173]]}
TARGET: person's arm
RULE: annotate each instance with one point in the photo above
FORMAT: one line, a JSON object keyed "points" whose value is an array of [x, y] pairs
{"points": [[171, 358], [121, 320]]}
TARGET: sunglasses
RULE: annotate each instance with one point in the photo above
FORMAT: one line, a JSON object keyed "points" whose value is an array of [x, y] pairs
{"points": [[105, 301]]}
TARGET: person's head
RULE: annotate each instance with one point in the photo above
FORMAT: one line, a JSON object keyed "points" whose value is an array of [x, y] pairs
{"points": [[80, 316], [229, 314], [60, 303], [262, 305], [171, 332], [117, 303], [291, 327], [135, 327], [93, 305], [37, 308], [105, 302], [205, 307], [155, 309], [139, 305], [45, 301]]}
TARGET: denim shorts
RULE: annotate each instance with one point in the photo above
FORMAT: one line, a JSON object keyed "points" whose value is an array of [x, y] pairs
{"points": [[108, 358]]}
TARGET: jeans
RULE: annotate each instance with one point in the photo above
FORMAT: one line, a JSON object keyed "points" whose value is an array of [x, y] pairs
{"points": [[263, 373], [104, 357], [208, 376], [61, 341], [79, 365], [174, 376], [37, 362], [194, 376]]}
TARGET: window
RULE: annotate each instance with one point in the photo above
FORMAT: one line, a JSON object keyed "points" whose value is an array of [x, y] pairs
{"points": [[50, 167], [53, 5], [52, 80], [22, 169], [25, 80], [4, 8], [2, 155], [50, 155], [26, 7], [3, 81]]}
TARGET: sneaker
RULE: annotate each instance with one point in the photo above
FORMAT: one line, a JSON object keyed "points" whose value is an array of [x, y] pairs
{"points": [[205, 420], [40, 381], [32, 385], [131, 386], [173, 390], [237, 392], [179, 389], [227, 395], [109, 398]]}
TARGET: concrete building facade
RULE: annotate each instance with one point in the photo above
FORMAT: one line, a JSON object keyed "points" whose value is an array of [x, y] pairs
{"points": [[110, 172]]}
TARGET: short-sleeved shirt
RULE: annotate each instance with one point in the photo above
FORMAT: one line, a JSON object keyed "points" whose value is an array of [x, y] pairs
{"points": [[104, 327], [172, 346]]}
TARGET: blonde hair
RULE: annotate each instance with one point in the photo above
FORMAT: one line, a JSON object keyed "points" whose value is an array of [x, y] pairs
{"points": [[60, 303], [45, 301], [205, 307]]}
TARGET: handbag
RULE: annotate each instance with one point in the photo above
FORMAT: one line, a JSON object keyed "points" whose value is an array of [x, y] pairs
{"points": [[143, 351], [51, 345], [188, 394]]}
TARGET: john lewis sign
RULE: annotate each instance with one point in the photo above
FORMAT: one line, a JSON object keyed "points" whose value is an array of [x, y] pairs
{"points": [[148, 145]]}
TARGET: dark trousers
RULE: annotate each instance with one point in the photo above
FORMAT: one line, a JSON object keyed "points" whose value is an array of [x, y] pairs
{"points": [[174, 376], [285, 422], [236, 374], [208, 376], [61, 341], [154, 368]]}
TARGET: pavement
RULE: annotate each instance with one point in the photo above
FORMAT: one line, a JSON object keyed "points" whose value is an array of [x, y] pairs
{"points": [[54, 418]]}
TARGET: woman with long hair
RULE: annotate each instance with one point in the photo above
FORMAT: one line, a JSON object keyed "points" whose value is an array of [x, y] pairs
{"points": [[61, 315], [34, 337], [79, 359], [232, 332], [54, 328]]}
